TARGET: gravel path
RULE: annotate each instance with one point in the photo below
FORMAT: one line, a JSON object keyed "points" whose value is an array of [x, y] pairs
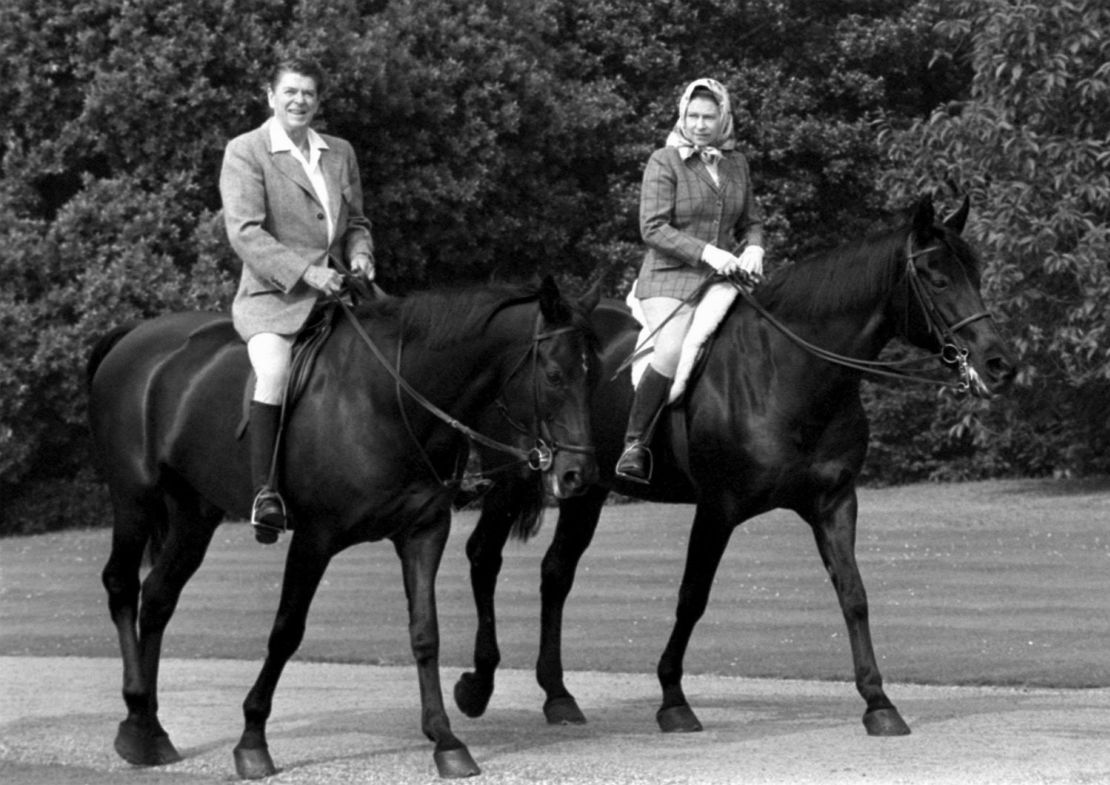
{"points": [[359, 724]]}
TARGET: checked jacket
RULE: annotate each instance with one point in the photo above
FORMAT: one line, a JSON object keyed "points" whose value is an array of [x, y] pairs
{"points": [[682, 210]]}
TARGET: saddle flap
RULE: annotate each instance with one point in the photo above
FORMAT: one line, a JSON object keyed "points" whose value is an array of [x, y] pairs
{"points": [[306, 349]]}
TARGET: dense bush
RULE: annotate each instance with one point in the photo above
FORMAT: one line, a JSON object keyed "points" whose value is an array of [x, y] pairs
{"points": [[1029, 144], [498, 139]]}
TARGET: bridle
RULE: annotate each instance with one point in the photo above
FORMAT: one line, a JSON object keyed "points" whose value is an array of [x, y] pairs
{"points": [[953, 351], [539, 458]]}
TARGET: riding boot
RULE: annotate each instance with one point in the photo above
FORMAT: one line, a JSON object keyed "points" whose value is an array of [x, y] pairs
{"points": [[651, 396], [268, 509]]}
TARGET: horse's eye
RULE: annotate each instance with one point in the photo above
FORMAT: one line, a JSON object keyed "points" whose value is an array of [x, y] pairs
{"points": [[555, 378], [936, 278]]}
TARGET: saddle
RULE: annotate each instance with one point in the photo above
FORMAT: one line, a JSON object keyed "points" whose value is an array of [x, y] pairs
{"points": [[306, 349], [708, 315]]}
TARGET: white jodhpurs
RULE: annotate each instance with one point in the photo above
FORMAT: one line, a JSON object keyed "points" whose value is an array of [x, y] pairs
{"points": [[271, 356], [668, 341]]}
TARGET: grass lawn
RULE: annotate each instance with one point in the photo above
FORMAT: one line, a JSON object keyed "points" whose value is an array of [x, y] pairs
{"points": [[1003, 582]]}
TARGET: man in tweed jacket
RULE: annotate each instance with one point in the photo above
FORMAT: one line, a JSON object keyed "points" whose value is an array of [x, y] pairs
{"points": [[696, 204], [292, 203]]}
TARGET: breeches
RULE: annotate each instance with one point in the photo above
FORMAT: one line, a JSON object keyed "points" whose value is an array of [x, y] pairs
{"points": [[668, 341], [271, 356]]}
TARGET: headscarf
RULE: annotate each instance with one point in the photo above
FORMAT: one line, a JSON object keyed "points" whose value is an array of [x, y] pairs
{"points": [[725, 140]]}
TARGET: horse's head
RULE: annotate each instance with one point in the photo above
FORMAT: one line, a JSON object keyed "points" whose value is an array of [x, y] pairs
{"points": [[943, 307], [550, 389]]}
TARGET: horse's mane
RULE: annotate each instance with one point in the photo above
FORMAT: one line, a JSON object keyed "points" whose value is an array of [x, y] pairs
{"points": [[850, 277], [450, 316]]}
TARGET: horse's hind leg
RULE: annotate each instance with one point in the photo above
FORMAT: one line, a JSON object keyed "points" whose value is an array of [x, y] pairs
{"points": [[483, 549], [578, 518], [140, 623], [141, 740], [834, 528]]}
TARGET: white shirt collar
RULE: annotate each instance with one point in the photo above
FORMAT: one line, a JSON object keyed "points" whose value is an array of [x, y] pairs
{"points": [[281, 143]]}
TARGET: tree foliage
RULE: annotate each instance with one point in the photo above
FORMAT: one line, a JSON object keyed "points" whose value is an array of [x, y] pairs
{"points": [[498, 138], [1030, 145]]}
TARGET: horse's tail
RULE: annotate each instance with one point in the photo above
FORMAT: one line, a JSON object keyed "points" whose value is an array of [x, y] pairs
{"points": [[103, 346], [529, 514]]}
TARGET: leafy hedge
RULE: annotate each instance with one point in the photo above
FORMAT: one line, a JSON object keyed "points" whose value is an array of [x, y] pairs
{"points": [[498, 139]]}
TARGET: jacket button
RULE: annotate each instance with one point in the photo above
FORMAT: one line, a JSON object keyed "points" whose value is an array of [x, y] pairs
{"points": [[320, 216]]}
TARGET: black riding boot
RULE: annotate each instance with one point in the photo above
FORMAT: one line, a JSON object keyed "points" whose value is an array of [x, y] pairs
{"points": [[268, 509], [651, 396]]}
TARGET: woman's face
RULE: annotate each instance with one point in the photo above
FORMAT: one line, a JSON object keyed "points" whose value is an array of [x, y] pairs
{"points": [[294, 101], [703, 119]]}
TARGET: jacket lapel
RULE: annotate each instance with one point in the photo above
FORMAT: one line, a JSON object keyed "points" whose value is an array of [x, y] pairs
{"points": [[284, 162], [702, 172], [332, 166], [291, 168], [729, 172]]}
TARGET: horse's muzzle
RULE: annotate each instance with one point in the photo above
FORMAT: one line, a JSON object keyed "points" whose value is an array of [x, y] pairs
{"points": [[572, 479]]}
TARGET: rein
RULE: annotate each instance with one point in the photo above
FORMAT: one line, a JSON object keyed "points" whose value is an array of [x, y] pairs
{"points": [[539, 458], [952, 352]]}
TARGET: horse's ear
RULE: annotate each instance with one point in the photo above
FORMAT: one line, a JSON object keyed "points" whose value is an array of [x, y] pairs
{"points": [[924, 216], [958, 220], [589, 300], [552, 306]]}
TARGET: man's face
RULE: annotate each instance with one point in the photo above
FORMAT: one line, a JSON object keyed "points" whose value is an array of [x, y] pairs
{"points": [[294, 101]]}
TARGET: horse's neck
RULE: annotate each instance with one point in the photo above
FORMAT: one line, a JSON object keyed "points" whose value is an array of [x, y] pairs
{"points": [[460, 379], [857, 334]]}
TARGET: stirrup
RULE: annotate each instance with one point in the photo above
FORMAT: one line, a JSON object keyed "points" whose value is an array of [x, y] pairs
{"points": [[268, 527], [649, 460]]}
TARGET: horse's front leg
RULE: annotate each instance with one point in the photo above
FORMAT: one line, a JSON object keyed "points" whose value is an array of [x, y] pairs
{"points": [[305, 564], [420, 551], [483, 549], [708, 539], [833, 520], [578, 518]]}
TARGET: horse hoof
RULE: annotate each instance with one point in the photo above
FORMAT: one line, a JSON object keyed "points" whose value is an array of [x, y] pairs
{"points": [[143, 749], [472, 694], [563, 711], [254, 763], [678, 719], [885, 722], [456, 763]]}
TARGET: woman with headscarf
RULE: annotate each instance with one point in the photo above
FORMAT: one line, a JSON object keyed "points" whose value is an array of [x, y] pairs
{"points": [[695, 206]]}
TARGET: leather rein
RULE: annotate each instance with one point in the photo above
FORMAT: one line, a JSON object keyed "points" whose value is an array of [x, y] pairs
{"points": [[539, 458], [953, 350]]}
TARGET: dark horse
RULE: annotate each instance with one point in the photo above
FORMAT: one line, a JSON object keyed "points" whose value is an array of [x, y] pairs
{"points": [[364, 462], [768, 424]]}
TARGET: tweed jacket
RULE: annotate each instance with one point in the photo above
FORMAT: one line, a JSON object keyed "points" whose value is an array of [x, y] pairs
{"points": [[277, 227], [682, 210]]}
